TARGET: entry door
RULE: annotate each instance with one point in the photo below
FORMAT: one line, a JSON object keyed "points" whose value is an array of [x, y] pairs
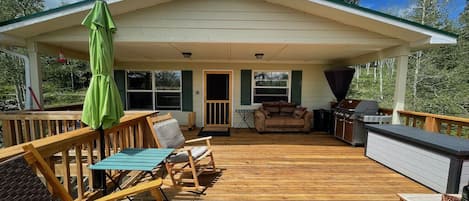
{"points": [[217, 98]]}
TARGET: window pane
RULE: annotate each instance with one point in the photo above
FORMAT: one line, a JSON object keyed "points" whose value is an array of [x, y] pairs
{"points": [[168, 80], [271, 91], [139, 80], [272, 83], [271, 78], [260, 99], [168, 100], [140, 100]]}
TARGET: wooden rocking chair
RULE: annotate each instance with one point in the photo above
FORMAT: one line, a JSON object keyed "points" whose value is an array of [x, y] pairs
{"points": [[20, 182], [167, 134]]}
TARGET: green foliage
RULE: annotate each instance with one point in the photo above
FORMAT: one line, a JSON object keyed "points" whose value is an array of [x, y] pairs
{"points": [[17, 8], [438, 78], [74, 74], [367, 81]]}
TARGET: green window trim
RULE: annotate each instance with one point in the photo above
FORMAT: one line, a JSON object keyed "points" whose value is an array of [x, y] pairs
{"points": [[296, 86], [246, 78], [187, 91]]}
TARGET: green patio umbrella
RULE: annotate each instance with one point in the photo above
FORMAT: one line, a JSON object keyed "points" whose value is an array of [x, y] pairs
{"points": [[102, 107]]}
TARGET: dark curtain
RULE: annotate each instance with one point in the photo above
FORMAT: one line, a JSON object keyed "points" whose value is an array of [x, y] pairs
{"points": [[339, 80]]}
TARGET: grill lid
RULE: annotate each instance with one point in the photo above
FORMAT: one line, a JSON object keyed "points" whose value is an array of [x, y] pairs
{"points": [[367, 107]]}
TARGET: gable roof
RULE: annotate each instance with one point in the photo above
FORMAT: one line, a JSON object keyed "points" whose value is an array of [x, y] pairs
{"points": [[368, 19], [372, 20], [392, 17]]}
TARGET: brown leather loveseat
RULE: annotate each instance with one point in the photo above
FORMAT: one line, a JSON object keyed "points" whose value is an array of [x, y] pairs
{"points": [[282, 117]]}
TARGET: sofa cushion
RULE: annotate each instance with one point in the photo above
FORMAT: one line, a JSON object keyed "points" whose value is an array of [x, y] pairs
{"points": [[286, 104], [183, 156], [287, 110], [169, 134], [284, 122], [272, 109]]}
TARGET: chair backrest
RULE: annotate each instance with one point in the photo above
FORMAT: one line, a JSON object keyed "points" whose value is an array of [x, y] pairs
{"points": [[20, 182], [166, 131]]}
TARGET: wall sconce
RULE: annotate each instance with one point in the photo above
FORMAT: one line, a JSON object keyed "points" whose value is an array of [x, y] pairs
{"points": [[259, 55], [187, 55]]}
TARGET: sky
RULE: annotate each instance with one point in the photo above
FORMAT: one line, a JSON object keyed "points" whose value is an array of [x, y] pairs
{"points": [[397, 7], [455, 7]]}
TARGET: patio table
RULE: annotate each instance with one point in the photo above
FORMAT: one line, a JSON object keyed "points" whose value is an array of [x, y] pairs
{"points": [[133, 159]]}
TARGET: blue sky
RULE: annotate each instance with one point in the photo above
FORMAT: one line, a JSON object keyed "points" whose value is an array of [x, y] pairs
{"points": [[396, 7]]}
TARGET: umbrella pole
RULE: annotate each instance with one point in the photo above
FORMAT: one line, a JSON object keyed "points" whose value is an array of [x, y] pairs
{"points": [[102, 173]]}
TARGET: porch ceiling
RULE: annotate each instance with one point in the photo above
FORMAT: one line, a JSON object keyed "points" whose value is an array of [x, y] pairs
{"points": [[231, 52]]}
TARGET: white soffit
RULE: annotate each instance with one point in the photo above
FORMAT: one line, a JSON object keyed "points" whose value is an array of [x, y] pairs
{"points": [[417, 36]]}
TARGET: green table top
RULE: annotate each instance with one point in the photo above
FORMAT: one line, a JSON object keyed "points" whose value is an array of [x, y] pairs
{"points": [[133, 159]]}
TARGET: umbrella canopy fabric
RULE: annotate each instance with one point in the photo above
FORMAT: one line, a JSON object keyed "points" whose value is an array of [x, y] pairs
{"points": [[102, 106]]}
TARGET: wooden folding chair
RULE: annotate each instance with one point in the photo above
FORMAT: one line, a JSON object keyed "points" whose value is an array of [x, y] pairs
{"points": [[20, 182], [194, 160]]}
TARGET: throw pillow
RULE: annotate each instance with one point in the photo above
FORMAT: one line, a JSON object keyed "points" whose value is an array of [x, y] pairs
{"points": [[266, 113], [287, 109], [272, 109], [298, 114]]}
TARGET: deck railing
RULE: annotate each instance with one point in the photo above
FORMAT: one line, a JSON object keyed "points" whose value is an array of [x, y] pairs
{"points": [[69, 154], [20, 127], [449, 125]]}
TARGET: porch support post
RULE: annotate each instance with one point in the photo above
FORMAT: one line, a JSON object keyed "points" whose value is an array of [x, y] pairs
{"points": [[35, 76], [402, 61]]}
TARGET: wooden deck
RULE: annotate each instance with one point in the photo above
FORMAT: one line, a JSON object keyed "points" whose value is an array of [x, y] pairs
{"points": [[296, 167]]}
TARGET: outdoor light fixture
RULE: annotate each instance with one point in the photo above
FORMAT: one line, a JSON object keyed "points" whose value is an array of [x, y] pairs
{"points": [[187, 55], [259, 55]]}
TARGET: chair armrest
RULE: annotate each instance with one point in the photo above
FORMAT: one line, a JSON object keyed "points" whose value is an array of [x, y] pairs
{"points": [[259, 115], [151, 186], [199, 139], [259, 120]]}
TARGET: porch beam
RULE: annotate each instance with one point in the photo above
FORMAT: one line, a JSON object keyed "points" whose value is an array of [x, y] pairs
{"points": [[395, 51], [402, 62], [35, 74]]}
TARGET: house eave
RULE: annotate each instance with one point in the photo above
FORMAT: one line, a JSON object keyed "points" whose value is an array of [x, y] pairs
{"points": [[395, 26]]}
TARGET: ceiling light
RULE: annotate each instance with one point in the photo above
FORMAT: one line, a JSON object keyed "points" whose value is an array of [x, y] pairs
{"points": [[259, 55], [187, 55]]}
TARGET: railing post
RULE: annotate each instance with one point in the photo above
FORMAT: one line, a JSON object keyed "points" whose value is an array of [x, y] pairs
{"points": [[431, 124], [7, 135]]}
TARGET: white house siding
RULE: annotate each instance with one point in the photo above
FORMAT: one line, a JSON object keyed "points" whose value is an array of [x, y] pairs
{"points": [[424, 166], [228, 21], [315, 90], [236, 21]]}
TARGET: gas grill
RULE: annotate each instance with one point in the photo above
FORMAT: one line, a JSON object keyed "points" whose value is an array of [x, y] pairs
{"points": [[350, 117]]}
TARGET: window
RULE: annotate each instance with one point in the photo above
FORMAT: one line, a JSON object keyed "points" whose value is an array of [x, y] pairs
{"points": [[271, 86], [160, 90], [168, 90]]}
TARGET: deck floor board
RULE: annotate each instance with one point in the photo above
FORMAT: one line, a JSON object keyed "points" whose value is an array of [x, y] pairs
{"points": [[315, 166]]}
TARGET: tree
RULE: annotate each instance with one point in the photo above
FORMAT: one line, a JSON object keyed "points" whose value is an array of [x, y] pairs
{"points": [[438, 77], [11, 9], [352, 1], [10, 65]]}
